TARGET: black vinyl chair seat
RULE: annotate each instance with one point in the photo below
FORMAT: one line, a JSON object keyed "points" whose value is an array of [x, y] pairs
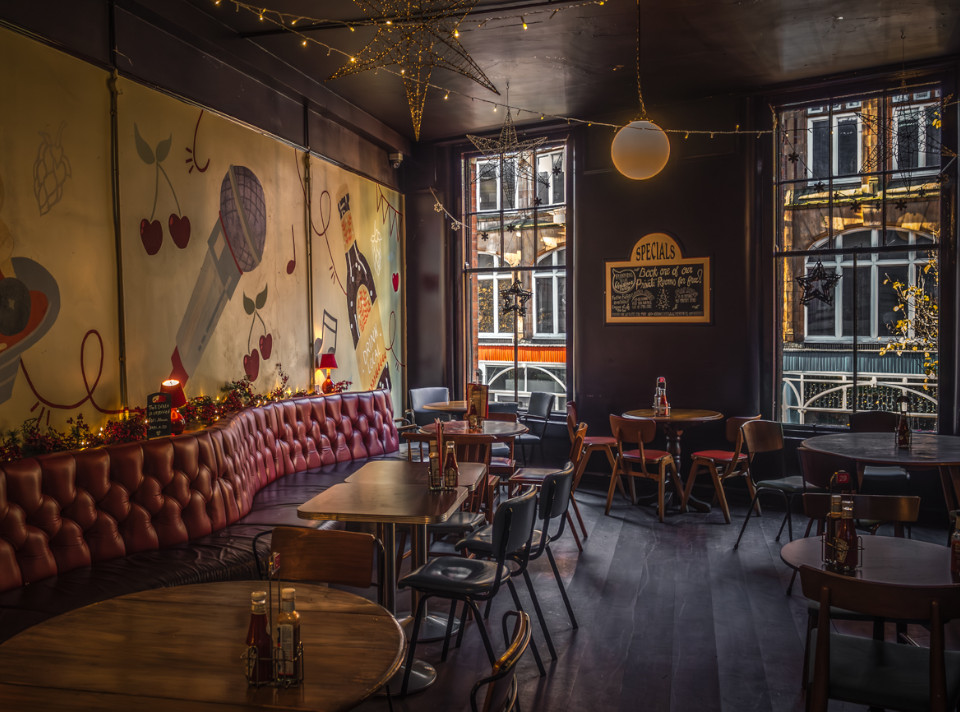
{"points": [[893, 675], [886, 474], [481, 541], [459, 522], [455, 574], [793, 484]]}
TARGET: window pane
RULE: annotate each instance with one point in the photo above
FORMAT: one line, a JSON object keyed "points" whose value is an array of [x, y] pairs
{"points": [[820, 140], [887, 297], [487, 180], [908, 140], [562, 304], [931, 144], [509, 184], [847, 163], [506, 318], [860, 282], [544, 305], [485, 305]]}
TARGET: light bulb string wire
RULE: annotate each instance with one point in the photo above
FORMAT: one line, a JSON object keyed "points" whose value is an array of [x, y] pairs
{"points": [[277, 19]]}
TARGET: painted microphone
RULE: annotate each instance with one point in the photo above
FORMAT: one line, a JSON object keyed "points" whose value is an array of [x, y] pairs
{"points": [[235, 246]]}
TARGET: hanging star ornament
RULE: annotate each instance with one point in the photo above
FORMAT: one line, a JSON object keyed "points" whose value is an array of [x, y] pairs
{"points": [[418, 36], [507, 143], [818, 284]]}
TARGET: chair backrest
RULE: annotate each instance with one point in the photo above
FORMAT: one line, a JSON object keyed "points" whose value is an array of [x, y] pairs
{"points": [[576, 442], [419, 397], [873, 421], [764, 438], [540, 405], [503, 407], [733, 425], [417, 441], [513, 525], [324, 555], [934, 605], [501, 684], [632, 431], [505, 417], [896, 510], [552, 505], [572, 420], [818, 468], [471, 447]]}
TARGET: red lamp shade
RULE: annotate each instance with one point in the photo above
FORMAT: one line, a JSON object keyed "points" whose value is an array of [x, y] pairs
{"points": [[327, 361]]}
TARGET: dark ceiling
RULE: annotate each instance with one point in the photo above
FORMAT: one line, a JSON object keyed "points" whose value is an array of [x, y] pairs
{"points": [[578, 60]]}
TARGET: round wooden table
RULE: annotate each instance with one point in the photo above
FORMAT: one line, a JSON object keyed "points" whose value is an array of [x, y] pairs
{"points": [[458, 407], [884, 559], [497, 428], [673, 427], [927, 450], [180, 648]]}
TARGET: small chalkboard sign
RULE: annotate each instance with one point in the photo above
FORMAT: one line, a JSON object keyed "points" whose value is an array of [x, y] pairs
{"points": [[658, 285], [159, 406]]}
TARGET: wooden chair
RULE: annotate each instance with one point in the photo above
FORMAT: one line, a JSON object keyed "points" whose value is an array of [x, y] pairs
{"points": [[535, 476], [478, 509], [765, 438], [733, 462], [639, 461], [417, 443], [502, 461], [501, 684], [884, 478], [330, 556], [606, 444], [876, 673]]}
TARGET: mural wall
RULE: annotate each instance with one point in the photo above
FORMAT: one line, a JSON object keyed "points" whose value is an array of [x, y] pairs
{"points": [[214, 272]]}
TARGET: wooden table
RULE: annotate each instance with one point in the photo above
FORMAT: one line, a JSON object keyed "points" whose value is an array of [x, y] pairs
{"points": [[415, 473], [180, 649], [673, 427], [927, 450], [390, 492], [457, 407], [501, 429], [884, 559]]}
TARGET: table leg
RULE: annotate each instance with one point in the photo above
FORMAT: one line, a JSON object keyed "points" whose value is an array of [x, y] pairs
{"points": [[673, 435], [423, 674]]}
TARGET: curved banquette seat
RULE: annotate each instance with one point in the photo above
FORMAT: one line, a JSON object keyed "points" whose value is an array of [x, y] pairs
{"points": [[85, 525]]}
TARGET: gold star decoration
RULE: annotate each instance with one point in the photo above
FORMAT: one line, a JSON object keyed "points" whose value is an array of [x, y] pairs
{"points": [[507, 143], [418, 36]]}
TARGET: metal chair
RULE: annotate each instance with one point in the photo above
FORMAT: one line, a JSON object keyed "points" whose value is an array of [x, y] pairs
{"points": [[536, 418], [501, 684], [640, 461], [458, 578], [419, 397], [884, 478], [764, 440], [876, 673]]}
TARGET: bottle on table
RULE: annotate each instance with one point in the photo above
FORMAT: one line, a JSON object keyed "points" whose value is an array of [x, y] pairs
{"points": [[831, 530], [660, 404], [258, 639], [451, 471], [847, 542], [903, 425], [288, 635], [435, 478]]}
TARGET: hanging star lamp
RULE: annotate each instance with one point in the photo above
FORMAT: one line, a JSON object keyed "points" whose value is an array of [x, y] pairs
{"points": [[417, 36], [817, 285], [641, 148]]}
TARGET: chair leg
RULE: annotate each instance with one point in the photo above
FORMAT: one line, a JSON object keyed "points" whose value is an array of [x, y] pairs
{"points": [[573, 530], [539, 612], [787, 519], [563, 590], [446, 635], [576, 510], [691, 478], [483, 630], [721, 495], [660, 495], [746, 519], [463, 621], [533, 643], [412, 645], [614, 480]]}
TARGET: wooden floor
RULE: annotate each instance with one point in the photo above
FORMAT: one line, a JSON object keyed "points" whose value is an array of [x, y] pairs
{"points": [[671, 618]]}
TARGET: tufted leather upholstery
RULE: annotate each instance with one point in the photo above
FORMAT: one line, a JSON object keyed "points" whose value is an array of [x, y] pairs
{"points": [[69, 510]]}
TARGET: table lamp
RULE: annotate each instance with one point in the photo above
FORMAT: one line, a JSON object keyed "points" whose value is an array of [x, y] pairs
{"points": [[327, 361], [177, 398]]}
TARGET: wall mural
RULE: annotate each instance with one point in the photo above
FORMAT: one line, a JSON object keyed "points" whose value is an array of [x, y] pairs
{"points": [[214, 275], [58, 297]]}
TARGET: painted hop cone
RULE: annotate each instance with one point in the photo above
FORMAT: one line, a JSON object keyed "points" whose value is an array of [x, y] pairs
{"points": [[50, 171]]}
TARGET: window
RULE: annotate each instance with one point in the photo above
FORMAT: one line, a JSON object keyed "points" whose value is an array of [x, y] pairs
{"points": [[550, 296], [515, 238], [858, 197]]}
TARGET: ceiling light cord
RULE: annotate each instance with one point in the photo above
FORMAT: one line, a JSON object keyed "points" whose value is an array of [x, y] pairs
{"points": [[643, 107]]}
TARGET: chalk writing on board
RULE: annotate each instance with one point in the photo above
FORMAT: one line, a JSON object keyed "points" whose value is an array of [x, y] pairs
{"points": [[159, 406], [649, 288]]}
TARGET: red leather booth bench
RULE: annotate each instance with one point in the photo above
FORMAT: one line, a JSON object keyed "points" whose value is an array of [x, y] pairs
{"points": [[82, 526]]}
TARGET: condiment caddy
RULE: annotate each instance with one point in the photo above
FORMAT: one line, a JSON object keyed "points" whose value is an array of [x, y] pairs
{"points": [[274, 654], [842, 548]]}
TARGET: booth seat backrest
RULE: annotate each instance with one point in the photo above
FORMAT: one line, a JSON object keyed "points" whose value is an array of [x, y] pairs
{"points": [[71, 509]]}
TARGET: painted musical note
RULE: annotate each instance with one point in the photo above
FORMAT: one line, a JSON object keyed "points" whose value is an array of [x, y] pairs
{"points": [[327, 343]]}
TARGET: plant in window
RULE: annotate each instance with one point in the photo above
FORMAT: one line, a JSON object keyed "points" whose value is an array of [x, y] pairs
{"points": [[917, 328]]}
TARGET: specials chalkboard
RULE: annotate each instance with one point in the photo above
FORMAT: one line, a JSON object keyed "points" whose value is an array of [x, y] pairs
{"points": [[658, 285], [159, 406]]}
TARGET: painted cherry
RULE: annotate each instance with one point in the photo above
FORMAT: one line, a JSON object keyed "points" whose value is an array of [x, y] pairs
{"points": [[151, 233], [266, 346], [179, 229], [251, 365], [396, 281]]}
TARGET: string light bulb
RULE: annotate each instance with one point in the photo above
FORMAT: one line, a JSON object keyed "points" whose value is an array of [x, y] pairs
{"points": [[523, 22]]}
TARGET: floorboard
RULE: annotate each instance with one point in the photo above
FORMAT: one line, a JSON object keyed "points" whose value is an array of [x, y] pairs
{"points": [[671, 618]]}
